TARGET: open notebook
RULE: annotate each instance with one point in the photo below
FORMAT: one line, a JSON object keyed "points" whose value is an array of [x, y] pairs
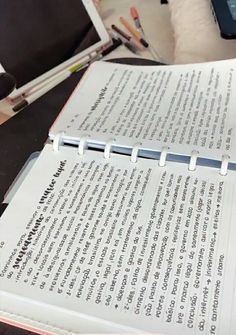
{"points": [[126, 221]]}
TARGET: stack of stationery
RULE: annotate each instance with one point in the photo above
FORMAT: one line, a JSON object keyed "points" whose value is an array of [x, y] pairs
{"points": [[137, 40]]}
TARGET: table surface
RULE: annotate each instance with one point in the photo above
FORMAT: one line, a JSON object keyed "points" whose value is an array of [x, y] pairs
{"points": [[27, 132], [155, 20]]}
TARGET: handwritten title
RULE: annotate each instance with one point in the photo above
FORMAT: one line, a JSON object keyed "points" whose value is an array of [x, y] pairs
{"points": [[100, 98], [40, 219]]}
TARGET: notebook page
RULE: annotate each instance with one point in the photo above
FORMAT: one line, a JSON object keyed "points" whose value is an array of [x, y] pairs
{"points": [[184, 107], [133, 244]]}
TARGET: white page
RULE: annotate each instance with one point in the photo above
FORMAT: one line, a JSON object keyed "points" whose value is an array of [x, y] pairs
{"points": [[135, 244], [184, 107]]}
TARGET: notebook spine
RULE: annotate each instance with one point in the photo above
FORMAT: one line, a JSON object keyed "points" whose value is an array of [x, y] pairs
{"points": [[192, 166], [193, 161]]}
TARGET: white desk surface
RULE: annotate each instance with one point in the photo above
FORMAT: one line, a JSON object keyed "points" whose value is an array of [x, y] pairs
{"points": [[155, 19]]}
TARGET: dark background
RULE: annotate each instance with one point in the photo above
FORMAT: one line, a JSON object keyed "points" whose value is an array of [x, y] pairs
{"points": [[38, 35]]}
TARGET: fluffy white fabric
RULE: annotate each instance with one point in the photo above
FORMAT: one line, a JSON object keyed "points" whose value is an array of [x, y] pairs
{"points": [[197, 36]]}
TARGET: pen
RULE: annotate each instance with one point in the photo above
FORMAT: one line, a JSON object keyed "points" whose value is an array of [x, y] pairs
{"points": [[34, 96], [133, 31], [116, 42], [77, 66], [42, 89], [126, 36], [135, 16], [126, 43], [72, 68]]}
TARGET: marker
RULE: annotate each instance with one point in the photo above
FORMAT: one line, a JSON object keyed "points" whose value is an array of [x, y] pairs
{"points": [[130, 46], [127, 37], [69, 70], [127, 44], [134, 32], [31, 98], [46, 87], [135, 16], [116, 42], [43, 88]]}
